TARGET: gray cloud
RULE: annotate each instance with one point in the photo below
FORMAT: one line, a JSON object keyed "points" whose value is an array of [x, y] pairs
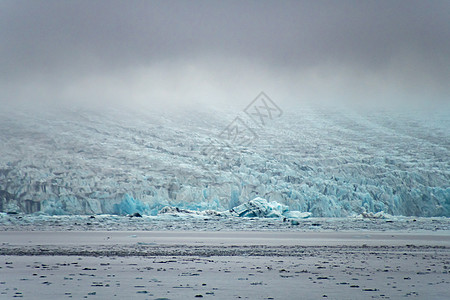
{"points": [[75, 48]]}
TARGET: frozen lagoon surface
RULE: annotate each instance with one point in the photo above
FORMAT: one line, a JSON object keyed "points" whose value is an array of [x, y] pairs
{"points": [[182, 222], [80, 173], [191, 256]]}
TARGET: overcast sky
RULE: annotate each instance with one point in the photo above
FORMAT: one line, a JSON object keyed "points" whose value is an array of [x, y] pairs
{"points": [[224, 51]]}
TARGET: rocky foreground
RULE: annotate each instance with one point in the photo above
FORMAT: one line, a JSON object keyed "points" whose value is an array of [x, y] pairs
{"points": [[224, 265]]}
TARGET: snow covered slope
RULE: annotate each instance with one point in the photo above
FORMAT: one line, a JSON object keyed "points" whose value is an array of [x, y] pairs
{"points": [[329, 162]]}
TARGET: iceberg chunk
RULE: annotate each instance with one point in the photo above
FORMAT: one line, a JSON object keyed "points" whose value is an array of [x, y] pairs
{"points": [[260, 208], [256, 208], [378, 215], [295, 214]]}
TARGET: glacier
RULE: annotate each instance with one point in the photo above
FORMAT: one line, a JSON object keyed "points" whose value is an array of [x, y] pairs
{"points": [[318, 160]]}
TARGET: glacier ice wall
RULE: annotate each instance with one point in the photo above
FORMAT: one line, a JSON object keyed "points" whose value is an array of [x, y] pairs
{"points": [[331, 163]]}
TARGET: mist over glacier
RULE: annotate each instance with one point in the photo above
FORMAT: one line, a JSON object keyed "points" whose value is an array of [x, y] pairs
{"points": [[330, 161], [107, 107]]}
